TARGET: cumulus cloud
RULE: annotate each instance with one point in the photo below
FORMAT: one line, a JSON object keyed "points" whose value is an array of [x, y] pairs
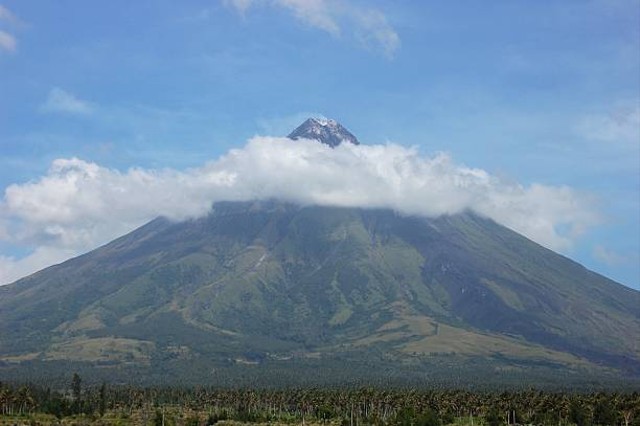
{"points": [[367, 25], [61, 101], [79, 205]]}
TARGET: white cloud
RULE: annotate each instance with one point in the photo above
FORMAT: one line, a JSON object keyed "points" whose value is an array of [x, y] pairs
{"points": [[7, 42], [374, 31], [61, 101], [79, 205], [367, 25], [316, 13]]}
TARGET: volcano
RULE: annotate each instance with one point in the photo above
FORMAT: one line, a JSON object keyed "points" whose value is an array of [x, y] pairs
{"points": [[272, 292]]}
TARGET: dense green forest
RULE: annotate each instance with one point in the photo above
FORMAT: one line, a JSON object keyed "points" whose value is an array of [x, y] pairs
{"points": [[191, 406]]}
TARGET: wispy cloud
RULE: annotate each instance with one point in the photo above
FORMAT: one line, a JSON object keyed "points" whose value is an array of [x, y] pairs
{"points": [[374, 31], [6, 15], [79, 205], [367, 25], [61, 101], [240, 5], [8, 41], [610, 257], [619, 125]]}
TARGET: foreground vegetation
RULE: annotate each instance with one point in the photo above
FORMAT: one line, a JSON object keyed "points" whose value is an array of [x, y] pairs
{"points": [[36, 404]]}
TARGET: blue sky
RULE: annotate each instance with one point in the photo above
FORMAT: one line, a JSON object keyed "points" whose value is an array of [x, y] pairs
{"points": [[532, 93]]}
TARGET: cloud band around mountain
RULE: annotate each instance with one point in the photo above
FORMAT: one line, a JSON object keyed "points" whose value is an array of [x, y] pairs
{"points": [[80, 205]]}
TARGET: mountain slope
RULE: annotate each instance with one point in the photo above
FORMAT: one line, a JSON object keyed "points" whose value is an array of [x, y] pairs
{"points": [[274, 280]]}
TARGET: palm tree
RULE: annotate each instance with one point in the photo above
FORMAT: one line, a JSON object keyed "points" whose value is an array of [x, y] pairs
{"points": [[25, 400], [5, 399]]}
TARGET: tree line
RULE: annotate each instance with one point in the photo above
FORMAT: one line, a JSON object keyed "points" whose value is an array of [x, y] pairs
{"points": [[351, 407]]}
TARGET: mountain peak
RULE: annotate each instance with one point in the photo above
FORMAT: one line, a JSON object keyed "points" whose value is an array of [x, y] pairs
{"points": [[325, 130]]}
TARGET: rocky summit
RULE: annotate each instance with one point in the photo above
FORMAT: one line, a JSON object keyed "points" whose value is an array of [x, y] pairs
{"points": [[325, 130]]}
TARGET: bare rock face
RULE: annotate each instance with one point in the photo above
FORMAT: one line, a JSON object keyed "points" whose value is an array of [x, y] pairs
{"points": [[325, 130]]}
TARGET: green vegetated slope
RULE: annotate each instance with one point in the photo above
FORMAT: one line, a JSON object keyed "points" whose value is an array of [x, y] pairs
{"points": [[274, 284]]}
